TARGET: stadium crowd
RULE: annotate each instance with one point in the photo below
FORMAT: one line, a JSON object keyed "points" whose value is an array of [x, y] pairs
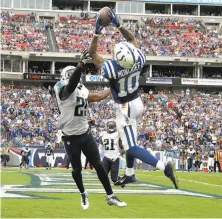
{"points": [[21, 32], [158, 36], [29, 116]]}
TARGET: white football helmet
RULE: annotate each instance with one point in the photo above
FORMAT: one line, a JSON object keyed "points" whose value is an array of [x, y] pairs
{"points": [[67, 72], [125, 54]]}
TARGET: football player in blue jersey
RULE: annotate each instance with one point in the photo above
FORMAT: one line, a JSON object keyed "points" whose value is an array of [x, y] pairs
{"points": [[49, 154], [123, 73]]}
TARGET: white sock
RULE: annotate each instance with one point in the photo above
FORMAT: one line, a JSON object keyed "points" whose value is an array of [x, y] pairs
{"points": [[110, 196], [129, 171], [160, 165]]}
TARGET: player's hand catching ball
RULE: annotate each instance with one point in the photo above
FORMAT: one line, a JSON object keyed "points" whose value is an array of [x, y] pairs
{"points": [[114, 19], [98, 27]]}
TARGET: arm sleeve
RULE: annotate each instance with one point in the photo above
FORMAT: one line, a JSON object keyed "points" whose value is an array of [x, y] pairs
{"points": [[142, 57], [105, 72], [73, 82]]}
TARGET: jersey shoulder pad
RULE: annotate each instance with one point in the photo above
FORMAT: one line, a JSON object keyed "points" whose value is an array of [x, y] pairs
{"points": [[141, 57], [84, 91], [110, 69], [60, 84]]}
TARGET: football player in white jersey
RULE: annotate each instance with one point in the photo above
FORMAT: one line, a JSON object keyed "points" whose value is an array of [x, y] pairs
{"points": [[72, 98], [49, 154], [26, 152], [111, 148], [123, 73], [211, 154]]}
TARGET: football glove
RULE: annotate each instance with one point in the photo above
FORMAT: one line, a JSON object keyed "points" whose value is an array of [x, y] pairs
{"points": [[85, 56], [114, 19], [98, 27]]}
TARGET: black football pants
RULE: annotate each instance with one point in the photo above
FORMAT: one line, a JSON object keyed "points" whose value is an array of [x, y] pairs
{"points": [[217, 163], [109, 165], [190, 163], [86, 143]]}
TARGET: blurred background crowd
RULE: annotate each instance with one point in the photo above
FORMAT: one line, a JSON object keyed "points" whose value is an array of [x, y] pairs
{"points": [[29, 116], [158, 36]]}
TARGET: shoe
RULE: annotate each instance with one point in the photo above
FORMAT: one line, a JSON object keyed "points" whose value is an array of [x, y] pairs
{"points": [[114, 200], [169, 172], [84, 201], [123, 180]]}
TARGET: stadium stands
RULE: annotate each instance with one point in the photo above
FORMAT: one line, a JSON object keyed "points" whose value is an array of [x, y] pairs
{"points": [[20, 32], [32, 117], [158, 36]]}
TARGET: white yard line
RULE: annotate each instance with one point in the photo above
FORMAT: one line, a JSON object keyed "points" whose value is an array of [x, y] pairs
{"points": [[203, 183], [181, 179]]}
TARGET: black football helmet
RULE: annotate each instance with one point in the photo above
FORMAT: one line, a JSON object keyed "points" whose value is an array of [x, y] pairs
{"points": [[111, 126]]}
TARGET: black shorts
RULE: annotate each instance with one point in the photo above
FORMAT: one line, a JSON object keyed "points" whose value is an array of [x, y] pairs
{"points": [[197, 163], [25, 159], [109, 165], [75, 144]]}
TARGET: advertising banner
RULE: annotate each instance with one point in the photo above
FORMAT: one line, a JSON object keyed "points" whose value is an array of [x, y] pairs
{"points": [[35, 76], [95, 78], [200, 81], [159, 81]]}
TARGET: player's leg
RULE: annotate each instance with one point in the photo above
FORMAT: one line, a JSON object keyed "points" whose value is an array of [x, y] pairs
{"points": [[115, 170], [128, 135], [50, 162], [73, 150], [47, 162], [67, 163], [90, 150], [219, 167], [21, 162], [86, 163], [27, 162], [106, 164]]}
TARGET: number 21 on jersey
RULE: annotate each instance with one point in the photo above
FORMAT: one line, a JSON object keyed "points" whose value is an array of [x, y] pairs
{"points": [[108, 144]]}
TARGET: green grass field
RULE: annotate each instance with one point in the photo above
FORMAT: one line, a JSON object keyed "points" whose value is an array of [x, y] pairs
{"points": [[38, 193]]}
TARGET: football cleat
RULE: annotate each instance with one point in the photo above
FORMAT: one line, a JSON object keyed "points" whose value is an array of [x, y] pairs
{"points": [[169, 172], [114, 200], [84, 201], [123, 180]]}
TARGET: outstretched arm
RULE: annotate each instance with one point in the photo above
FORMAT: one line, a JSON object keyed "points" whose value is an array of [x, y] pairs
{"points": [[96, 58], [127, 34], [96, 97], [75, 77], [73, 81]]}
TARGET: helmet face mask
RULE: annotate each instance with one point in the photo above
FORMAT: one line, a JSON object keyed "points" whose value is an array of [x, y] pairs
{"points": [[67, 72], [111, 126], [125, 54]]}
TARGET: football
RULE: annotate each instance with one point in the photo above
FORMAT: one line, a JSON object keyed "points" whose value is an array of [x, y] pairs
{"points": [[104, 16]]}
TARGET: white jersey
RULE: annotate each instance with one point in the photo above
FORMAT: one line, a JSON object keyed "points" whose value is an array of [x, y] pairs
{"points": [[26, 152], [110, 145], [73, 111], [190, 153]]}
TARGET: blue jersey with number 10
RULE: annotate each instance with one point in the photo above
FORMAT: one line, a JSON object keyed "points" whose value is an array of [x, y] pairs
{"points": [[124, 83]]}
